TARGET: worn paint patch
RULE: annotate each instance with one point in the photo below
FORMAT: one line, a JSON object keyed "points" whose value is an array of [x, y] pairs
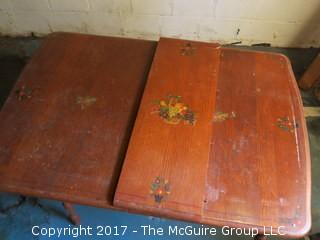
{"points": [[223, 116], [286, 124], [160, 189], [86, 101], [212, 194], [172, 110]]}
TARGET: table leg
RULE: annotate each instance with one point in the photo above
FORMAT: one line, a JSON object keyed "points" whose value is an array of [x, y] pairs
{"points": [[72, 214], [260, 237], [312, 74]]}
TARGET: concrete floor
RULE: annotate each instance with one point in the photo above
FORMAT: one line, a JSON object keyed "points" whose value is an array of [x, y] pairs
{"points": [[18, 215]]}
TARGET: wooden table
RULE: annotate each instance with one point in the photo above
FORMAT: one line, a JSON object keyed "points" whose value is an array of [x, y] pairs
{"points": [[219, 138]]}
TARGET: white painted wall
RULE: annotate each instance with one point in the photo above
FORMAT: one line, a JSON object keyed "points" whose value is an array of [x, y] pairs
{"points": [[293, 23]]}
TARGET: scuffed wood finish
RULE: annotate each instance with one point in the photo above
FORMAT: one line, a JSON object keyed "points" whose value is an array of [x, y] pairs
{"points": [[179, 152], [242, 160], [67, 140], [245, 162], [259, 172]]}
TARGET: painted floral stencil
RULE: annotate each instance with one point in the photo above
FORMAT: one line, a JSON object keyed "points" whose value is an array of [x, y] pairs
{"points": [[172, 110], [285, 124], [160, 189], [24, 93]]}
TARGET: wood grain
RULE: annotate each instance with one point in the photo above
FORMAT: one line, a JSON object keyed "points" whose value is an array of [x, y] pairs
{"points": [[178, 153], [311, 111], [258, 174], [244, 160], [68, 140], [245, 163]]}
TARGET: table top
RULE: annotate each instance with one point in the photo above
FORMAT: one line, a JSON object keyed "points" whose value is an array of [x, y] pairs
{"points": [[65, 127], [220, 139]]}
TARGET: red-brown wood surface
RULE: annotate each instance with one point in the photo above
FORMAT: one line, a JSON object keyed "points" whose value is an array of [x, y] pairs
{"points": [[245, 161], [259, 170], [68, 140], [179, 152]]}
